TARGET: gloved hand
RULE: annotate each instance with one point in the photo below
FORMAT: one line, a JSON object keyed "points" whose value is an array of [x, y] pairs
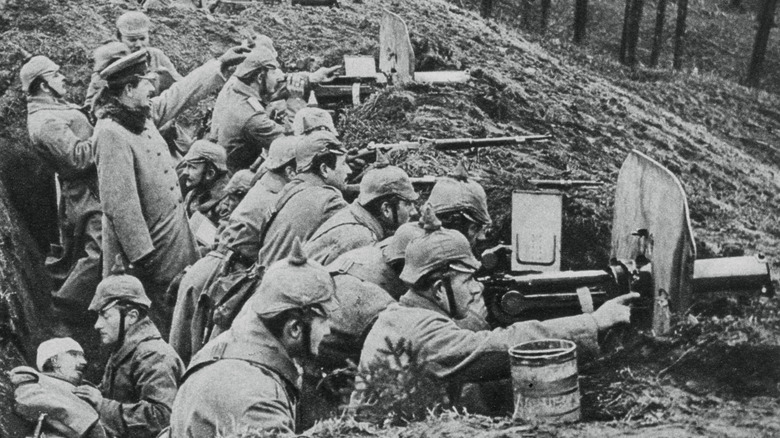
{"points": [[614, 311], [234, 56], [324, 74]]}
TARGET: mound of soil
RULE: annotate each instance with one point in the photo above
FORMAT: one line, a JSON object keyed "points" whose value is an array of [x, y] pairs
{"points": [[703, 129]]}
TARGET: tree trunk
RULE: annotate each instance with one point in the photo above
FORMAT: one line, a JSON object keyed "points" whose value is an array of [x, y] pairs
{"points": [[660, 16], [624, 35], [545, 15], [486, 8], [679, 34], [765, 22], [580, 21], [633, 31]]}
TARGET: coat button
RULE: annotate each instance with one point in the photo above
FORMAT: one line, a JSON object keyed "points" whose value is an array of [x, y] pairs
{"points": [[171, 188], [159, 153]]}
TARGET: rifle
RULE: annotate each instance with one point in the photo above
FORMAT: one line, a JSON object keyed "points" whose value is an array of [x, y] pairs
{"points": [[447, 144], [563, 183]]}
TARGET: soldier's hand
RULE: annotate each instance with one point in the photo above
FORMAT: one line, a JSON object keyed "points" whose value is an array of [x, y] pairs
{"points": [[324, 74], [614, 311], [89, 394], [234, 56]]}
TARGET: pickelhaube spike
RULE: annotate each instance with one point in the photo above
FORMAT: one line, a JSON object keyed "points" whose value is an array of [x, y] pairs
{"points": [[460, 172], [119, 267], [381, 160], [297, 255], [428, 219]]}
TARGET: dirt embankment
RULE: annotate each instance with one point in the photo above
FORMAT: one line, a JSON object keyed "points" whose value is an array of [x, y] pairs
{"points": [[517, 87]]}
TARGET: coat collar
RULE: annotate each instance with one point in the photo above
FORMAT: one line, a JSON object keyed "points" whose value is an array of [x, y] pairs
{"points": [[46, 102], [273, 182], [367, 219], [250, 341], [411, 299], [310, 179], [208, 199], [245, 90], [142, 331]]}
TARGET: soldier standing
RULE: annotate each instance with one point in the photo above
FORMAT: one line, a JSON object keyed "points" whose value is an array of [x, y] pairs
{"points": [[60, 133], [144, 217], [132, 30], [245, 379], [386, 201], [142, 373]]}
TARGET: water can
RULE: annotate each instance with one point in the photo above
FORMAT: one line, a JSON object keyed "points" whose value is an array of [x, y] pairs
{"points": [[545, 381]]}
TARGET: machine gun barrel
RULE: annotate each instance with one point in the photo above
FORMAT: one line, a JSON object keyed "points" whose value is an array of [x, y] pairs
{"points": [[564, 183]]}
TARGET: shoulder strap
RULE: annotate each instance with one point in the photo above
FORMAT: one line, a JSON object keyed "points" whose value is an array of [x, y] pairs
{"points": [[279, 205]]}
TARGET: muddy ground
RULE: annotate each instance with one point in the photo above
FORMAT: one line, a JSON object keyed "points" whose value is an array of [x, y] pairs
{"points": [[714, 377]]}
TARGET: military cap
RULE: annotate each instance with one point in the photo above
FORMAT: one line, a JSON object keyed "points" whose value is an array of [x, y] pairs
{"points": [[316, 143], [459, 193], [119, 287], [203, 151], [309, 119], [295, 283], [108, 53], [36, 67], [124, 69], [259, 57], [53, 347], [384, 179], [133, 23], [437, 248], [397, 243], [240, 182], [282, 151]]}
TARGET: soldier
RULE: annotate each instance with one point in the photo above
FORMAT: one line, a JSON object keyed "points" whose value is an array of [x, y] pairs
{"points": [[258, 105], [239, 243], [241, 123], [49, 390], [60, 134], [205, 177], [132, 30], [310, 199], [310, 119], [144, 216], [461, 204], [143, 371], [386, 201], [246, 378], [440, 273]]}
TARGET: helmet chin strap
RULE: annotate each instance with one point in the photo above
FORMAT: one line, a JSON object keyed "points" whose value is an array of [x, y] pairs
{"points": [[450, 298]]}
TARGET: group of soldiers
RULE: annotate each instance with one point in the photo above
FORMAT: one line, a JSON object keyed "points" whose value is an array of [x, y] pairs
{"points": [[277, 280]]}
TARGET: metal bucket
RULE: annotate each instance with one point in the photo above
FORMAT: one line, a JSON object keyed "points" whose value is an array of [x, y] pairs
{"points": [[544, 379]]}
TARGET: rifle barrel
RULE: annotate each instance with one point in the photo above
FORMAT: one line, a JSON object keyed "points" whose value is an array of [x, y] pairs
{"points": [[453, 144]]}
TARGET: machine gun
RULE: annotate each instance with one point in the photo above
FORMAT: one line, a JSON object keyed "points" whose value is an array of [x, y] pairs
{"points": [[653, 253]]}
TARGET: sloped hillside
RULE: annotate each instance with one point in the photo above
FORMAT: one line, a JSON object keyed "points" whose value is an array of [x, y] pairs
{"points": [[516, 88]]}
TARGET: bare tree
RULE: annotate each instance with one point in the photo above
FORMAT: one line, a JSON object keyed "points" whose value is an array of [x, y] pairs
{"points": [[580, 21], [660, 17], [679, 34], [765, 22]]}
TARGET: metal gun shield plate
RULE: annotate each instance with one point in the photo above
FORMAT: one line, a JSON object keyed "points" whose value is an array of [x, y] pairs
{"points": [[648, 196], [396, 55]]}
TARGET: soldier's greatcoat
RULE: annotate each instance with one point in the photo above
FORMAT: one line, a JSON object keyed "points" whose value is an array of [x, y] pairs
{"points": [[243, 379], [139, 384], [350, 228], [60, 134], [458, 355], [304, 204], [144, 215], [240, 125]]}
